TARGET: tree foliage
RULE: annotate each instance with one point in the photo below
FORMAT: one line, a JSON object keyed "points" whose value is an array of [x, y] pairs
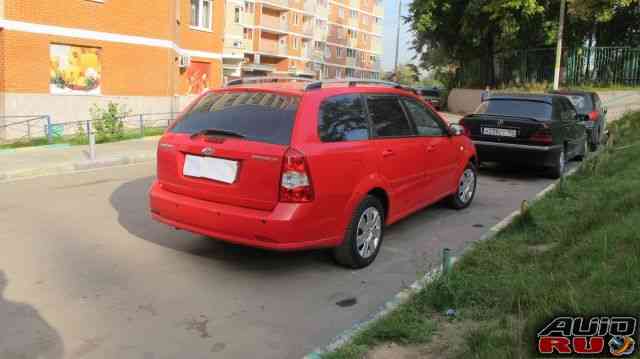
{"points": [[449, 33]]}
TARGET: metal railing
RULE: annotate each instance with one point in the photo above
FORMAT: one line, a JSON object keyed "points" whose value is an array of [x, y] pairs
{"points": [[27, 128]]}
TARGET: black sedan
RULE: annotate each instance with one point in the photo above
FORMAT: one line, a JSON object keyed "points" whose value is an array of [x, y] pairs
{"points": [[591, 112], [535, 129]]}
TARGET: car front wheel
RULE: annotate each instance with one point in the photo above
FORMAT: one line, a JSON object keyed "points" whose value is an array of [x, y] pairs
{"points": [[363, 236]]}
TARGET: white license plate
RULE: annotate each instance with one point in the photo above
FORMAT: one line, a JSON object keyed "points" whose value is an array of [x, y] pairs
{"points": [[217, 169], [500, 132]]}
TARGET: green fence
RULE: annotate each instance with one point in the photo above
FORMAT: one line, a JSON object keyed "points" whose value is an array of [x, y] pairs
{"points": [[581, 66]]}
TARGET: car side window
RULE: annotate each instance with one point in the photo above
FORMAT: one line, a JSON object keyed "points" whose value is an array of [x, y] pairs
{"points": [[424, 120], [387, 117], [342, 118]]}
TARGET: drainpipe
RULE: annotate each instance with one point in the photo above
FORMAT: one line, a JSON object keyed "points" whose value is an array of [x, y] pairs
{"points": [[174, 78]]}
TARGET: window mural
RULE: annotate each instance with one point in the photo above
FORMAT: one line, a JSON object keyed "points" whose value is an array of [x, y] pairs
{"points": [[198, 75], [74, 70]]}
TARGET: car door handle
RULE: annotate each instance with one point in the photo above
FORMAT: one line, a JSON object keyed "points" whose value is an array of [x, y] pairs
{"points": [[387, 153]]}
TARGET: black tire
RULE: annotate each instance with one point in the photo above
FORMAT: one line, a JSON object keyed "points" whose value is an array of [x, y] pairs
{"points": [[585, 150], [557, 170], [347, 254], [460, 199]]}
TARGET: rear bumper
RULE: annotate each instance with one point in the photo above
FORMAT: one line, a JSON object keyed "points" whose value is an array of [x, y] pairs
{"points": [[289, 226], [517, 153]]}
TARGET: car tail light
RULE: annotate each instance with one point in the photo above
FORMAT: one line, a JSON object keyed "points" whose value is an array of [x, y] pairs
{"points": [[543, 136], [593, 116], [295, 185]]}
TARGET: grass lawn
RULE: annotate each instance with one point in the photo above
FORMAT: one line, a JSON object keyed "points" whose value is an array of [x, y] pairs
{"points": [[82, 140], [577, 251]]}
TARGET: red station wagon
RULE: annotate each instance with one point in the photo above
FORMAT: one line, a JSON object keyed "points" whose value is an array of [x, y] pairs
{"points": [[291, 166]]}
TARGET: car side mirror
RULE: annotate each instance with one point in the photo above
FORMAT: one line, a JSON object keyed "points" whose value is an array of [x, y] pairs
{"points": [[455, 130]]}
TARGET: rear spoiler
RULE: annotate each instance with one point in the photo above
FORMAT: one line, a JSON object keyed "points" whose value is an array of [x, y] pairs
{"points": [[504, 116]]}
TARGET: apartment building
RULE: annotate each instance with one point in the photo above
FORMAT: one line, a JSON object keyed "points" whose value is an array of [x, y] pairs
{"points": [[315, 38], [59, 57]]}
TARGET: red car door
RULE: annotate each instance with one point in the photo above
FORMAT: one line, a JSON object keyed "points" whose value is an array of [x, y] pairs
{"points": [[441, 156], [401, 154]]}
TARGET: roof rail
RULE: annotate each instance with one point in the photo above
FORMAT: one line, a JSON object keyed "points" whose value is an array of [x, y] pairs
{"points": [[247, 80], [354, 81]]}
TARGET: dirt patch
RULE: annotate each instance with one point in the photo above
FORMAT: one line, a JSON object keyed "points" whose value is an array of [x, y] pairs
{"points": [[445, 343]]}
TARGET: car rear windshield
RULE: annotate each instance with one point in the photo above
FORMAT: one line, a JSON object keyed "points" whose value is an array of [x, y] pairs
{"points": [[521, 108], [582, 103], [257, 116]]}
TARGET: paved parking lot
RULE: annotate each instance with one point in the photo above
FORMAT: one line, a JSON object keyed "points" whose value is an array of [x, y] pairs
{"points": [[85, 273]]}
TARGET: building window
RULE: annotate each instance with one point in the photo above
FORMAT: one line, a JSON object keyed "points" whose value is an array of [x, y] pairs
{"points": [[351, 73], [341, 32], [296, 42], [248, 34], [353, 13], [249, 7], [338, 52], [296, 18], [340, 12], [201, 11], [237, 11], [352, 34], [365, 19], [351, 53]]}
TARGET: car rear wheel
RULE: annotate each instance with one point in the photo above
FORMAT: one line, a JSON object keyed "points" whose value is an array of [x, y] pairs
{"points": [[363, 236], [559, 167], [466, 190]]}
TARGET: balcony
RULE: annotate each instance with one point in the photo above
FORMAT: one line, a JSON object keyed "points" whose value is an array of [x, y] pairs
{"points": [[274, 24], [276, 4], [310, 6], [273, 48], [307, 28]]}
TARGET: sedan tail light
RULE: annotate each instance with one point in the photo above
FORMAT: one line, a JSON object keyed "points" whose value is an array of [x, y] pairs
{"points": [[543, 136], [295, 185], [593, 116]]}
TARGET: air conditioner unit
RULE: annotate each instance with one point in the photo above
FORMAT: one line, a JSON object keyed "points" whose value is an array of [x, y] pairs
{"points": [[237, 44], [184, 61]]}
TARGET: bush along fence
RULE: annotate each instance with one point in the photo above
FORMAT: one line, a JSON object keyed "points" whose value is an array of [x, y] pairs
{"points": [[599, 66], [110, 125]]}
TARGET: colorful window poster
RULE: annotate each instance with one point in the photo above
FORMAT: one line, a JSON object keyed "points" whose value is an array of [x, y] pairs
{"points": [[74, 70], [198, 75]]}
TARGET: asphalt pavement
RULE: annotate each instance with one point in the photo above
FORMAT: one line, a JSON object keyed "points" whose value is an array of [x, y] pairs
{"points": [[85, 273]]}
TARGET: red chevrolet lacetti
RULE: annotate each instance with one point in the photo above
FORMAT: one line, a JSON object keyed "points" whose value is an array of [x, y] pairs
{"points": [[290, 166]]}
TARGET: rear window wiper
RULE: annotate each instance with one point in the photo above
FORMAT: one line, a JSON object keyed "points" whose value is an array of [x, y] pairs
{"points": [[217, 131]]}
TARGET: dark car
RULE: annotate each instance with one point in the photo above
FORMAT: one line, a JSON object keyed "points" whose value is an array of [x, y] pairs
{"points": [[591, 111], [543, 130], [432, 96]]}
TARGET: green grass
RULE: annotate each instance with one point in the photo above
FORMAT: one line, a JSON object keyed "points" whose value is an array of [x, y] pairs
{"points": [[577, 251], [75, 140]]}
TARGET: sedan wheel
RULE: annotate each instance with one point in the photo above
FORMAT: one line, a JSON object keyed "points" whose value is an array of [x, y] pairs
{"points": [[558, 169]]}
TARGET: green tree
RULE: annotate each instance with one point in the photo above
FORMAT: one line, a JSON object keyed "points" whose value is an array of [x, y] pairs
{"points": [[408, 74]]}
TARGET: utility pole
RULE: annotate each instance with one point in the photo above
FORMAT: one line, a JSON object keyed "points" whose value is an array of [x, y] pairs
{"points": [[556, 75], [398, 38]]}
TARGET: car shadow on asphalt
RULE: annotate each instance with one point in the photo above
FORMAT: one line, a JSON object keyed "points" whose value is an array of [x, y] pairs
{"points": [[131, 201], [23, 331]]}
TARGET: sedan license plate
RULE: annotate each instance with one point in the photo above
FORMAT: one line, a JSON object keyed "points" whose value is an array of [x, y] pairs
{"points": [[216, 169], [499, 132]]}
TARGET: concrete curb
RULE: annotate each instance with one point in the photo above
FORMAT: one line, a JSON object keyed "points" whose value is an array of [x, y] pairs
{"points": [[419, 284], [78, 166]]}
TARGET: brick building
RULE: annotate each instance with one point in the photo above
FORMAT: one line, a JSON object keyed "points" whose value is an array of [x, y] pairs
{"points": [[60, 57]]}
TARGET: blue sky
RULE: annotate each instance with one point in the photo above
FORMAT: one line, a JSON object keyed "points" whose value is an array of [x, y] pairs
{"points": [[390, 23]]}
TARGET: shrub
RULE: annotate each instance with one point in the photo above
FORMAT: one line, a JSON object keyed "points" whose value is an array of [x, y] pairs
{"points": [[108, 123]]}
